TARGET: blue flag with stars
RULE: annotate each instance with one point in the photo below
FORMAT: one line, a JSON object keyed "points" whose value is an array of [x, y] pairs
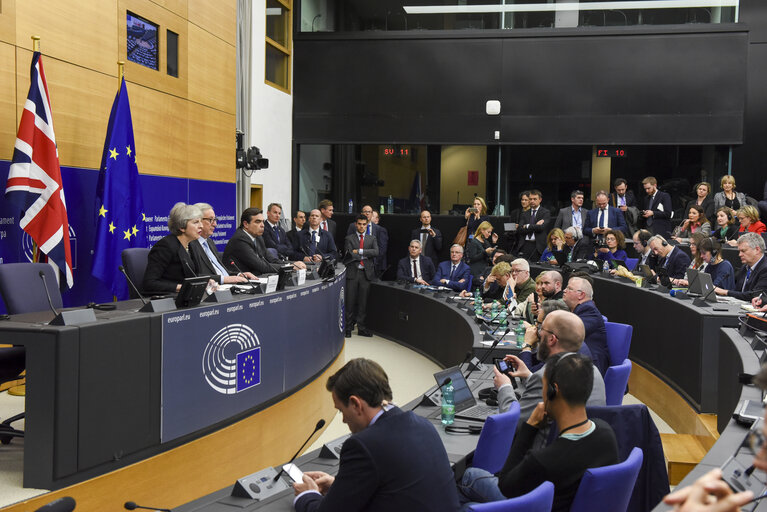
{"points": [[119, 202]]}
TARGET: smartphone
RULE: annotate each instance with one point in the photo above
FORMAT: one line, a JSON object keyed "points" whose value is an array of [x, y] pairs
{"points": [[503, 366], [472, 210], [293, 472]]}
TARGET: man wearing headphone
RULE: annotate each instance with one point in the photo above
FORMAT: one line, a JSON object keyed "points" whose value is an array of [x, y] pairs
{"points": [[582, 443], [674, 260], [642, 247]]}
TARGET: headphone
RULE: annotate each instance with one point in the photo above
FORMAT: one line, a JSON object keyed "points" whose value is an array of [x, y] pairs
{"points": [[644, 236], [473, 430], [551, 391]]}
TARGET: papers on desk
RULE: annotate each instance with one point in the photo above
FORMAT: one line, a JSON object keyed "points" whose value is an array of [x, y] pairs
{"points": [[458, 297], [510, 340], [748, 307]]}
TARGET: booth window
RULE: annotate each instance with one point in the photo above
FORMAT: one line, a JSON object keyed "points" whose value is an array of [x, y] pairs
{"points": [[278, 43]]}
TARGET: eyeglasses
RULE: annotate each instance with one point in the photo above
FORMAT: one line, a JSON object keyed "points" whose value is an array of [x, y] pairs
{"points": [[568, 289], [517, 271], [212, 220], [540, 328]]}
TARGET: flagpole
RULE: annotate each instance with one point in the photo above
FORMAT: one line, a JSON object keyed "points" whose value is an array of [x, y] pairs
{"points": [[35, 43], [120, 72]]}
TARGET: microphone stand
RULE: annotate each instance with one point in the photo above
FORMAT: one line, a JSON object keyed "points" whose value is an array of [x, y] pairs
{"points": [[484, 356]]}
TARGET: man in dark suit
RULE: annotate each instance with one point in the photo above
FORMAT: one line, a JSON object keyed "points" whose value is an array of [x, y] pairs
{"points": [[327, 223], [603, 218], [622, 198], [209, 256], [415, 268], [454, 273], [642, 247], [573, 215], [674, 260], [383, 243], [275, 237], [393, 461], [576, 247], [579, 297], [360, 251], [430, 237], [299, 219], [656, 208], [314, 242], [533, 228], [751, 278]]}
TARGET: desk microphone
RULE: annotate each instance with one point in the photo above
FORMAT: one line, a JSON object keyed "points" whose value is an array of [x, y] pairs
{"points": [[444, 383], [50, 302], [132, 284], [490, 350], [232, 263], [131, 505], [319, 425], [65, 504], [189, 267]]}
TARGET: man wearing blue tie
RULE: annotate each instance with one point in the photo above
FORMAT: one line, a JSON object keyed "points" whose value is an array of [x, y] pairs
{"points": [[275, 236], [211, 258], [315, 243], [454, 273], [603, 218], [751, 278]]}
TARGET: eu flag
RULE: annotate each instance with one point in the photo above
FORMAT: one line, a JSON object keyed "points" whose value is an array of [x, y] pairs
{"points": [[119, 202], [248, 369]]}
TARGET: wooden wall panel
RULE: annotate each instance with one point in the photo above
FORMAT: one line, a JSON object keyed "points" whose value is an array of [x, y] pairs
{"points": [[211, 70], [8, 120], [160, 128], [178, 7], [80, 101], [8, 21], [219, 18], [211, 144], [85, 35]]}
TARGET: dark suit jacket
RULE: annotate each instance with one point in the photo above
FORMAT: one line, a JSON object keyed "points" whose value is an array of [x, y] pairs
{"points": [[433, 244], [369, 253], [565, 217], [331, 228], [461, 272], [397, 464], [660, 222], [405, 269], [596, 334], [383, 245], [615, 220], [325, 245], [676, 263], [756, 284], [205, 265], [293, 239], [731, 233], [282, 244], [246, 255], [169, 264], [526, 227], [630, 199], [581, 250]]}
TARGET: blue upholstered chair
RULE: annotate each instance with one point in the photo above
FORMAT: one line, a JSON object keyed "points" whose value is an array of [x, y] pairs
{"points": [[25, 278], [631, 263], [495, 440], [609, 486], [539, 499], [618, 341], [616, 379], [134, 261]]}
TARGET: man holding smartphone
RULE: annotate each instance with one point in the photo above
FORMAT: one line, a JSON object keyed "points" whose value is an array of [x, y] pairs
{"points": [[430, 237]]}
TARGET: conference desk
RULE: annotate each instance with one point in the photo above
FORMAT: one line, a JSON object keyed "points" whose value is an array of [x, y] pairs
{"points": [[103, 395]]}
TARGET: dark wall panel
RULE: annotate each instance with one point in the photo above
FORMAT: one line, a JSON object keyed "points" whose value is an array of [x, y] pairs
{"points": [[754, 14]]}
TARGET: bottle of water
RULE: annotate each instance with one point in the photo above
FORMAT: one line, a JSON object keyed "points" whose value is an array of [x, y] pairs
{"points": [[494, 309], [504, 320], [520, 334], [390, 204], [351, 206], [605, 267], [477, 303], [448, 404], [381, 209]]}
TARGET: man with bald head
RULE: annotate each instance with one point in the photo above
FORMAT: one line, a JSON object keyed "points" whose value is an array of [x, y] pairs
{"points": [[316, 243], [551, 285], [579, 297], [561, 331]]}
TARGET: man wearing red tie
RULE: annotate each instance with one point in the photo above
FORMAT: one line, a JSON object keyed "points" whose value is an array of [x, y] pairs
{"points": [[360, 250]]}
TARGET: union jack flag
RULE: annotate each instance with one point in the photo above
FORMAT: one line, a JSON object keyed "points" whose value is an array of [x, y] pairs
{"points": [[34, 180]]}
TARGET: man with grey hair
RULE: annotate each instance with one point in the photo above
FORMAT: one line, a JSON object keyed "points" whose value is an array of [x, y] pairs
{"points": [[415, 268], [751, 278], [573, 215], [210, 257], [454, 274], [524, 286], [561, 331], [576, 247], [674, 260], [579, 297]]}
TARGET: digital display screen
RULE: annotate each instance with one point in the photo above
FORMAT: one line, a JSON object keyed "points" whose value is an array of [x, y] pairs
{"points": [[142, 41], [611, 152]]}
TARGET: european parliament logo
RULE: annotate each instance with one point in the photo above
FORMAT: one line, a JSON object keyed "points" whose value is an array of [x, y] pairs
{"points": [[231, 361]]}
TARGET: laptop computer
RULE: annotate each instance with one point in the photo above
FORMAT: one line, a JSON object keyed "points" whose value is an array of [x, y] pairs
{"points": [[466, 406], [693, 282]]}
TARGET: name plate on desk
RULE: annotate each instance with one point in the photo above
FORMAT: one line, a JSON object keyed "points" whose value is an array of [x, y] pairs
{"points": [[271, 283]]}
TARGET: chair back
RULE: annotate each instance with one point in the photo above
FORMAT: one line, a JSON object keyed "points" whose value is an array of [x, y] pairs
{"points": [[631, 263], [272, 252], [610, 486], [22, 288], [134, 261], [616, 379], [467, 286], [539, 499], [495, 440], [618, 341]]}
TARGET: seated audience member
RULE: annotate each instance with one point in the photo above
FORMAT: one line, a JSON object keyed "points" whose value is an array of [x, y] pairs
{"points": [[430, 237], [728, 197], [523, 286], [576, 247], [475, 215], [581, 444], [751, 278], [548, 286], [496, 283], [211, 258], [314, 242], [275, 237], [642, 247], [394, 459], [383, 243], [532, 336], [696, 262], [579, 297], [748, 216], [615, 245], [673, 259], [246, 249], [696, 222], [710, 493], [454, 274], [722, 273], [171, 259], [415, 268], [360, 251], [555, 243], [726, 225], [561, 331], [573, 215], [526, 310], [480, 249], [704, 198], [531, 233], [326, 217], [656, 208], [299, 219], [603, 218], [551, 285]]}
